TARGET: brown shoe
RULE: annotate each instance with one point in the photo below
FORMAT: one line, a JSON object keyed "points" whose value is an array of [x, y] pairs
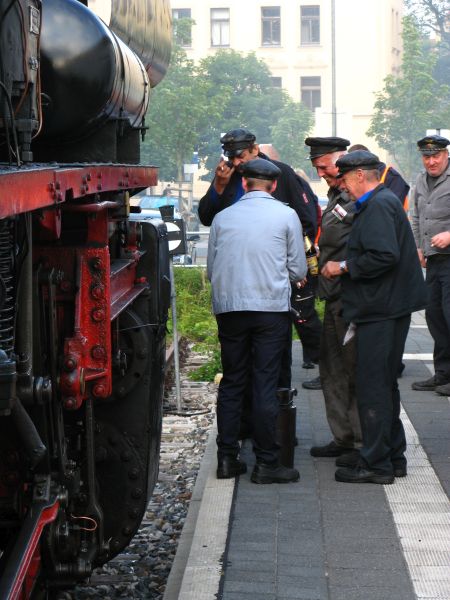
{"points": [[428, 385]]}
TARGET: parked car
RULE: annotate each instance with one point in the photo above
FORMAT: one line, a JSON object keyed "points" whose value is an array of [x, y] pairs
{"points": [[147, 202], [150, 209]]}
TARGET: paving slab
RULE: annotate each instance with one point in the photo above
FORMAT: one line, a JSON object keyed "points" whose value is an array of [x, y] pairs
{"points": [[338, 541], [323, 540]]}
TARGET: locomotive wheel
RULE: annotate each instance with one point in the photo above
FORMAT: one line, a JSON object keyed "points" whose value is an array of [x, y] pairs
{"points": [[135, 345], [128, 433], [122, 484]]}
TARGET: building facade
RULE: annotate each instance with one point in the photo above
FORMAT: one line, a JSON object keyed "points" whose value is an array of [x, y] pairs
{"points": [[331, 54]]}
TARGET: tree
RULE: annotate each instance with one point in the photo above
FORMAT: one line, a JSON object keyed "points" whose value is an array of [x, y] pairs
{"points": [[410, 103], [242, 86], [434, 18], [432, 15], [292, 125], [193, 106], [179, 108]]}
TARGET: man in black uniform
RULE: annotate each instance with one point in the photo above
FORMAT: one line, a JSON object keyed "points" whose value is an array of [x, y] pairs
{"points": [[392, 179], [337, 362], [382, 284], [239, 147]]}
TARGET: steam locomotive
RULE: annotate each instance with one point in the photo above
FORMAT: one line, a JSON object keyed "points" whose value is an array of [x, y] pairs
{"points": [[84, 289]]}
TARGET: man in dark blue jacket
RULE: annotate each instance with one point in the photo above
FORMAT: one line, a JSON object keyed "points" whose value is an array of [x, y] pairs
{"points": [[382, 284], [239, 146]]}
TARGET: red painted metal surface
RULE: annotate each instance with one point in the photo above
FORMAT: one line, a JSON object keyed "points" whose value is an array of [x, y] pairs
{"points": [[28, 189], [91, 292], [87, 355], [30, 564]]}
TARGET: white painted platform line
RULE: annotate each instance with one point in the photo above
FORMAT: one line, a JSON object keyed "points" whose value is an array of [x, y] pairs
{"points": [[424, 356], [418, 320], [421, 511]]}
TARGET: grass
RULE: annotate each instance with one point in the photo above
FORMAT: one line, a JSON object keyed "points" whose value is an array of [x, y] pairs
{"points": [[195, 319], [197, 323]]}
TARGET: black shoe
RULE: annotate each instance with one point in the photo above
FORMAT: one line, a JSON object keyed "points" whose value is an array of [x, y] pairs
{"points": [[349, 459], [312, 384], [400, 470], [273, 473], [331, 449], [229, 467], [443, 390], [428, 385], [362, 474], [308, 365]]}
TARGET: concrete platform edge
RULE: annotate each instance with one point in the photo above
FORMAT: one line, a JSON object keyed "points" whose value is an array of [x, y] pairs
{"points": [[180, 583]]}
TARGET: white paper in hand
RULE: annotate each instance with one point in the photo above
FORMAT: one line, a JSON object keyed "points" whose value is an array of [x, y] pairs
{"points": [[349, 334]]}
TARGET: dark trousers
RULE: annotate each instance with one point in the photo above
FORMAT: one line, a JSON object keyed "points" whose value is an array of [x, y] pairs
{"points": [[252, 344], [380, 348], [437, 313], [309, 326], [337, 368], [285, 378]]}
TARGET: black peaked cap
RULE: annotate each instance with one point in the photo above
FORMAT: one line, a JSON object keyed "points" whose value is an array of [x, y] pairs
{"points": [[259, 168], [236, 140], [360, 159], [325, 145], [432, 144]]}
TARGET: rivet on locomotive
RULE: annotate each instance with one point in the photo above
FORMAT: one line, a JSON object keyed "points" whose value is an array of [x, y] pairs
{"points": [[84, 290]]}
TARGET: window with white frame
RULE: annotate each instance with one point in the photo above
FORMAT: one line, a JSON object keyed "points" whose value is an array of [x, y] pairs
{"points": [[309, 25], [310, 92], [277, 82], [220, 26], [270, 26], [182, 32]]}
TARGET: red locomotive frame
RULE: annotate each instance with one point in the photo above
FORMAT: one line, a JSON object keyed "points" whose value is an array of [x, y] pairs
{"points": [[104, 288]]}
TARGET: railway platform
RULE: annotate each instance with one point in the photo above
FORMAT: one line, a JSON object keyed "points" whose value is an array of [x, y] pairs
{"points": [[319, 539]]}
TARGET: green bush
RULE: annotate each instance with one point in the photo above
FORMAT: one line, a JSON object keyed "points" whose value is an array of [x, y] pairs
{"points": [[320, 307], [196, 321]]}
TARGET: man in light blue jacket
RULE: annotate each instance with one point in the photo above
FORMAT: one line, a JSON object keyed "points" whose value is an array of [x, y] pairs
{"points": [[255, 250]]}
